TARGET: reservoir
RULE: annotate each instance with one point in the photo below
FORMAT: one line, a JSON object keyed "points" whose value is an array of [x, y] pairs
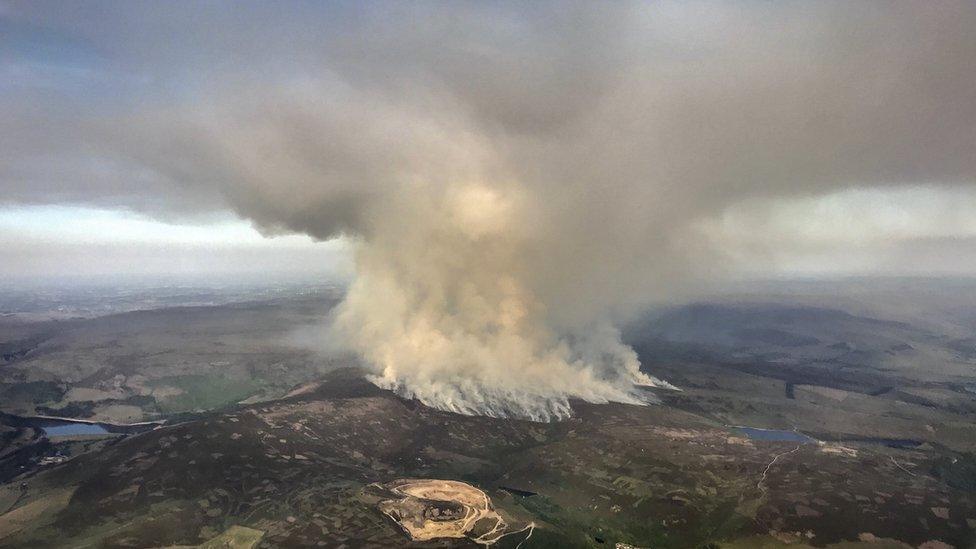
{"points": [[774, 435], [74, 429]]}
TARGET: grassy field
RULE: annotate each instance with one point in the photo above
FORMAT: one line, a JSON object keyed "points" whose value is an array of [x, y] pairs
{"points": [[201, 392]]}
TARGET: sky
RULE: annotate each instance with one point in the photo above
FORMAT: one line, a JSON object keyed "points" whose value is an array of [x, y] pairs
{"points": [[59, 242], [94, 180]]}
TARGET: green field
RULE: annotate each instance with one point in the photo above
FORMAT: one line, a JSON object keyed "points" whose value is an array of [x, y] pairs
{"points": [[205, 392]]}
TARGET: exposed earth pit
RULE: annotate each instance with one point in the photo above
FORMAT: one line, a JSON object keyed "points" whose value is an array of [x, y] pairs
{"points": [[428, 509]]}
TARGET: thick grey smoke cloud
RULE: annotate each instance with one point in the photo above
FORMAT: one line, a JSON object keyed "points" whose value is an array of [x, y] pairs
{"points": [[515, 179]]}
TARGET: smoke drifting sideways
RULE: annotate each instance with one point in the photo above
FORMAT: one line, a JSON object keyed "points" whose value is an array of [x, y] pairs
{"points": [[515, 180]]}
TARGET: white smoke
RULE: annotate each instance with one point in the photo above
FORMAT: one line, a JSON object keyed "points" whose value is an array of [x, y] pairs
{"points": [[443, 308], [515, 180]]}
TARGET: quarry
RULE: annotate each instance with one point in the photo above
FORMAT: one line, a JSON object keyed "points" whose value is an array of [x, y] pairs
{"points": [[428, 509]]}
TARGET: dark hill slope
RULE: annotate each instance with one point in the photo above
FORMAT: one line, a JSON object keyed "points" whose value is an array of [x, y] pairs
{"points": [[651, 476]]}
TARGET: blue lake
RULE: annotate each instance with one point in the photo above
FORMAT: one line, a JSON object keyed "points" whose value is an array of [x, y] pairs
{"points": [[774, 435], [70, 429]]}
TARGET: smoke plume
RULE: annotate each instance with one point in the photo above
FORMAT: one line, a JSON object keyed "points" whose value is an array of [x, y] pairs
{"points": [[515, 180]]}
